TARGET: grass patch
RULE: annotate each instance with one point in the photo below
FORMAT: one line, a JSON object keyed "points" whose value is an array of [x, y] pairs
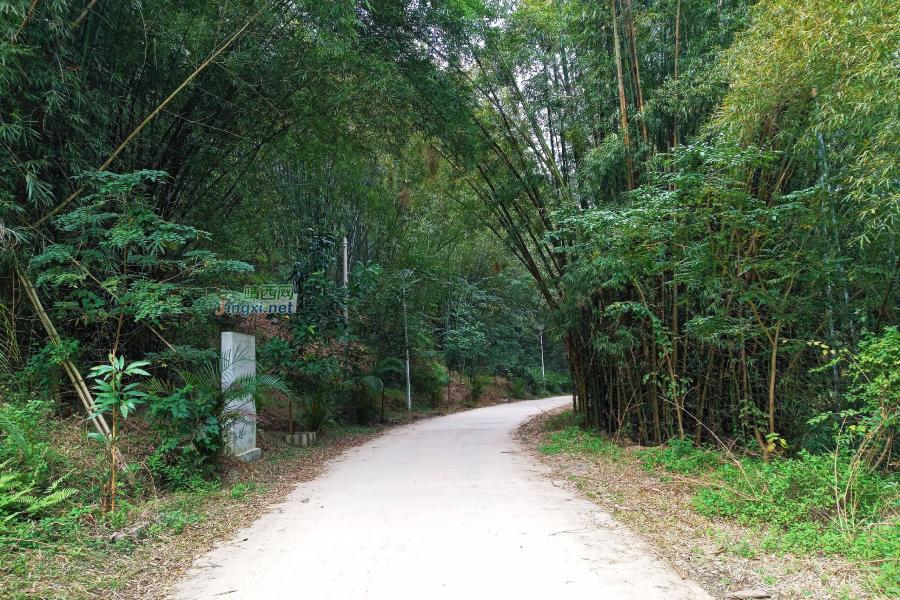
{"points": [[811, 504], [344, 430], [735, 513], [573, 440]]}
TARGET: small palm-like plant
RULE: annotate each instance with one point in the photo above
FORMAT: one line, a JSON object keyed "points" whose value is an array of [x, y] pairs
{"points": [[18, 496], [375, 378], [363, 389], [198, 413], [116, 397], [317, 407]]}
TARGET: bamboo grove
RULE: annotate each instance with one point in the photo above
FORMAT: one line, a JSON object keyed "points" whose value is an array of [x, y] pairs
{"points": [[705, 194]]}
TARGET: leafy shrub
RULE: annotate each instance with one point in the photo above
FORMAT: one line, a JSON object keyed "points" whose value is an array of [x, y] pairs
{"points": [[534, 381], [549, 382], [184, 357], [189, 421], [872, 422], [429, 379], [557, 383], [189, 418], [181, 472], [517, 388], [680, 456], [195, 418], [43, 369]]}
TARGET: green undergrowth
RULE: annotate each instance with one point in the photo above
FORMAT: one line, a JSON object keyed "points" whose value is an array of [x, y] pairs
{"points": [[344, 430], [563, 420], [574, 440], [807, 505], [68, 551], [36, 557]]}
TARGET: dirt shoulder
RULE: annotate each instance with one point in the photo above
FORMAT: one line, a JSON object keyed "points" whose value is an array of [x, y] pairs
{"points": [[252, 490], [722, 556]]}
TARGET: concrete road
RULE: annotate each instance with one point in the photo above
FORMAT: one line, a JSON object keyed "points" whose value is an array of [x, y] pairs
{"points": [[443, 508]]}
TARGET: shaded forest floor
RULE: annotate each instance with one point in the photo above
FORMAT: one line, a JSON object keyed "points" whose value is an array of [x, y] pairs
{"points": [[722, 555]]}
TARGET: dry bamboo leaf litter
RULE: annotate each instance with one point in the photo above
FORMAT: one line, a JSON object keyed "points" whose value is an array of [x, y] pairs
{"points": [[724, 557]]}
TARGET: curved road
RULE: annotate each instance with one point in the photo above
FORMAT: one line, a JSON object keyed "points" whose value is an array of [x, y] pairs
{"points": [[443, 508]]}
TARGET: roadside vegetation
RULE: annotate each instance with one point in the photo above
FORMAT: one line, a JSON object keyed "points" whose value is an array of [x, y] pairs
{"points": [[810, 505], [73, 550]]}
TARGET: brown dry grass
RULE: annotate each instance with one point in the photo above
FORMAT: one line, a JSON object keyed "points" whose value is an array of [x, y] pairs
{"points": [[496, 392], [720, 555]]}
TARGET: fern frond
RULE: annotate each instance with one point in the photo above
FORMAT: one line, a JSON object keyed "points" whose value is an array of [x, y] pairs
{"points": [[51, 500]]}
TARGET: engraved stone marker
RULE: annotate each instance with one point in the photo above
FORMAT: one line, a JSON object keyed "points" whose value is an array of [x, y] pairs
{"points": [[239, 359]]}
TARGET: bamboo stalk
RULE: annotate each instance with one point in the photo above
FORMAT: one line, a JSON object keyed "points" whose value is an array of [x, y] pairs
{"points": [[112, 471], [622, 108], [886, 296], [702, 405], [83, 14], [637, 70], [677, 48], [80, 388], [124, 292], [25, 20]]}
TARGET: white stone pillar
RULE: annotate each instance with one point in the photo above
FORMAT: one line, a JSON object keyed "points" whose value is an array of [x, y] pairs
{"points": [[239, 359]]}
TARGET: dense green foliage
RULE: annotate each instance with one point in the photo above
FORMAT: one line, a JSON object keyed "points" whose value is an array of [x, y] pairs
{"points": [[694, 201], [696, 223], [158, 157]]}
